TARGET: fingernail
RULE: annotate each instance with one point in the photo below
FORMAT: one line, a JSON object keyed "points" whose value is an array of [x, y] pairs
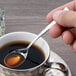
{"points": [[56, 14]]}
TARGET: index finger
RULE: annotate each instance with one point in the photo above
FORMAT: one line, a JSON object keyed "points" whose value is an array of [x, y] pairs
{"points": [[71, 5]]}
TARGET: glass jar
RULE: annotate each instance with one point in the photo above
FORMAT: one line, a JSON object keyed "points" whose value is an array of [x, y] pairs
{"points": [[2, 22]]}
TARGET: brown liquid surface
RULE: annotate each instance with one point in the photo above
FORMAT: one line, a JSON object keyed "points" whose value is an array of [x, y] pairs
{"points": [[35, 55]]}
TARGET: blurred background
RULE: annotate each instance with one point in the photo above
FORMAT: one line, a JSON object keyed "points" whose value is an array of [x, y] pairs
{"points": [[30, 15]]}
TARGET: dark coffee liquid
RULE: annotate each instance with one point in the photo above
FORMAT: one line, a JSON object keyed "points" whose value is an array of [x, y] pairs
{"points": [[34, 58]]}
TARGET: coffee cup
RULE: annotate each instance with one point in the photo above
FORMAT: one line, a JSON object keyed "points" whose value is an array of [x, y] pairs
{"points": [[40, 69]]}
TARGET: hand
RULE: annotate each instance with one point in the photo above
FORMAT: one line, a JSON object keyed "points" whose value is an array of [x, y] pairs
{"points": [[66, 23]]}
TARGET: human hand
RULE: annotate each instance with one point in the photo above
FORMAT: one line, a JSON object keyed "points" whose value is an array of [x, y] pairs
{"points": [[66, 23]]}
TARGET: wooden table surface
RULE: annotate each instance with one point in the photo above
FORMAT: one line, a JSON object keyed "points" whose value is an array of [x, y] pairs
{"points": [[30, 15]]}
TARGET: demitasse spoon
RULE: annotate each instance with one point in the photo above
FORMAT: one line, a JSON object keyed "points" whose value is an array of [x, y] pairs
{"points": [[18, 56]]}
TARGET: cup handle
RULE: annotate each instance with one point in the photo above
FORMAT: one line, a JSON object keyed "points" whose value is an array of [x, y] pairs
{"points": [[55, 69]]}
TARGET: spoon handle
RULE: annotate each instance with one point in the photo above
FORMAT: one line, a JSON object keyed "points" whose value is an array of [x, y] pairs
{"points": [[42, 32], [45, 30]]}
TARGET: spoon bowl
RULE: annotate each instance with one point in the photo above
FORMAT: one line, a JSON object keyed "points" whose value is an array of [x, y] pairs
{"points": [[14, 59]]}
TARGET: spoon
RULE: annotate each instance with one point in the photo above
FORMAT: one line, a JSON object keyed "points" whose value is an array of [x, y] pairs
{"points": [[18, 56]]}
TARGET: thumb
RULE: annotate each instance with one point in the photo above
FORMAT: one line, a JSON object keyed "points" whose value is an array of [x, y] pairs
{"points": [[65, 18]]}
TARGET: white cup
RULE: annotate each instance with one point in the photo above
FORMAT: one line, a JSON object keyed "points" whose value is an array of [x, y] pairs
{"points": [[26, 36]]}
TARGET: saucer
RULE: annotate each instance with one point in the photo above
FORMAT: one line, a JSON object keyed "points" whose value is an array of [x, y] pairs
{"points": [[56, 58]]}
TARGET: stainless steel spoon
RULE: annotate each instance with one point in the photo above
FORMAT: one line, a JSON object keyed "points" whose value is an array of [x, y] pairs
{"points": [[24, 51]]}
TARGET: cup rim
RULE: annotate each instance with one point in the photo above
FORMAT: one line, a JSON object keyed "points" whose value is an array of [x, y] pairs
{"points": [[29, 68]]}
